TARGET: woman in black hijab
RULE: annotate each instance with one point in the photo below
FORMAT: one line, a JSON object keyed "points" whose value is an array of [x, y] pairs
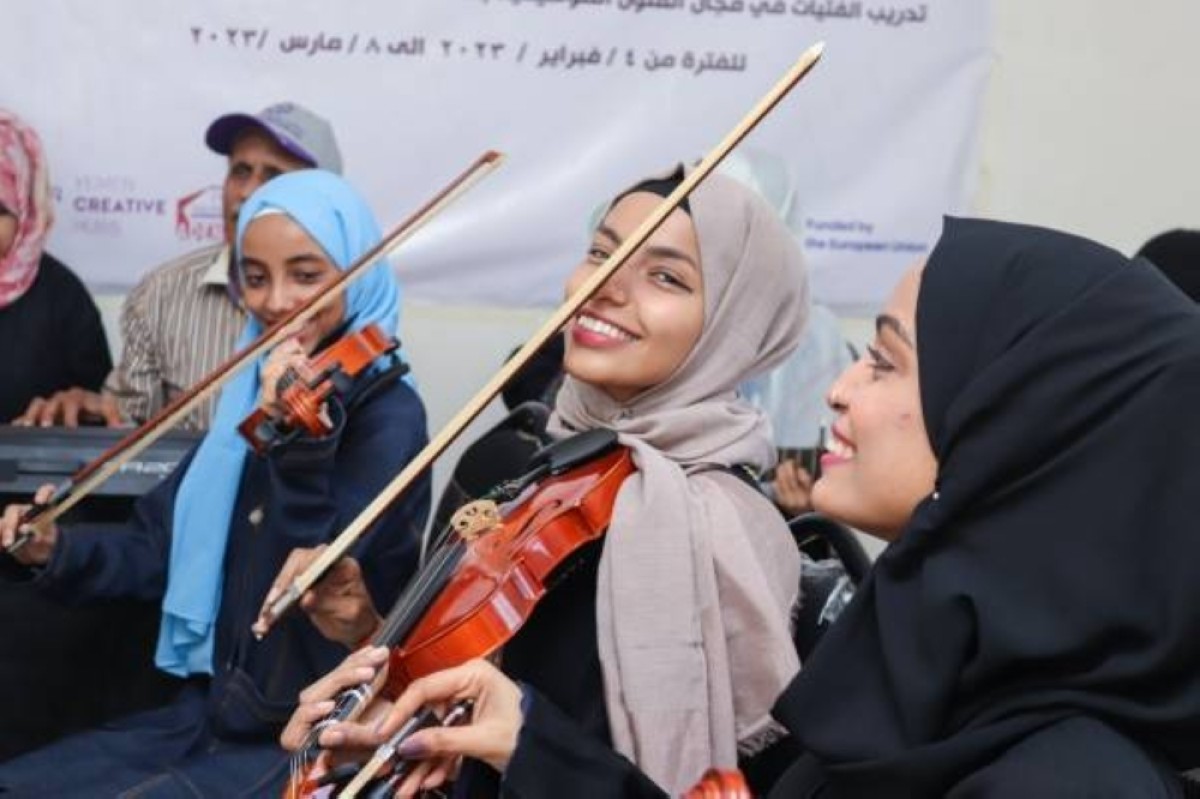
{"points": [[1035, 628]]}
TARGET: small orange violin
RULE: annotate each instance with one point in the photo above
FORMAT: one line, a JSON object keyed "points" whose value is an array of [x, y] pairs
{"points": [[335, 368]]}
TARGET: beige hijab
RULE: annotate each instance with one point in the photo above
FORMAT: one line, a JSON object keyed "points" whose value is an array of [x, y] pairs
{"points": [[699, 572]]}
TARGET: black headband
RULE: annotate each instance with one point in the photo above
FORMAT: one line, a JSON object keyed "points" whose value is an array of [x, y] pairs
{"points": [[662, 186]]}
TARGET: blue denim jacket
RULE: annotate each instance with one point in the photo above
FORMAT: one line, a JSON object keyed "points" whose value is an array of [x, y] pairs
{"points": [[298, 495]]}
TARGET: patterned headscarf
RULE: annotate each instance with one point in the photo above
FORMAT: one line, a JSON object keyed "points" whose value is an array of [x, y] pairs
{"points": [[25, 194]]}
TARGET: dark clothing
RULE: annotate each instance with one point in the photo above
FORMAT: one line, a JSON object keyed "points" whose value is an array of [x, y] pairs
{"points": [[540, 378], [124, 758], [52, 339], [299, 495], [1076, 757], [1049, 577], [561, 629], [554, 758], [1073, 758], [43, 695], [1177, 255]]}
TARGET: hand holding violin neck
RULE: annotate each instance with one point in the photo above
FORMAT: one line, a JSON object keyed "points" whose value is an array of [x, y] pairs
{"points": [[297, 405]]}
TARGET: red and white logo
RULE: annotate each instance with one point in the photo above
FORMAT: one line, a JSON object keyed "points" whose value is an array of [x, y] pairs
{"points": [[198, 216]]}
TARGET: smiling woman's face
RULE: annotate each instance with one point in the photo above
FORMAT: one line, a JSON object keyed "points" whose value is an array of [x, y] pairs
{"points": [[643, 323], [879, 464], [281, 267]]}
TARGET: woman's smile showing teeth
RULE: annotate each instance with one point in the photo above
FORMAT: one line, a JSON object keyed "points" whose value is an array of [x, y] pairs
{"points": [[837, 450], [591, 331], [642, 323]]}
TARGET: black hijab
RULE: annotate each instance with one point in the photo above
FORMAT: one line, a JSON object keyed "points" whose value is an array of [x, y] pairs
{"points": [[1177, 254], [1055, 572]]}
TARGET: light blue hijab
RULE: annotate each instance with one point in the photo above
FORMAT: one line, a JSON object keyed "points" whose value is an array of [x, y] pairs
{"points": [[338, 219]]}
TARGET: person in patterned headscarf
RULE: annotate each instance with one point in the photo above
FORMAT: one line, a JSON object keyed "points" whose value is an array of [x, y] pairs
{"points": [[49, 325]]}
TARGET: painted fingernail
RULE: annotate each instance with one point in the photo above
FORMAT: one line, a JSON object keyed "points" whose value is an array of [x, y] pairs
{"points": [[412, 749]]}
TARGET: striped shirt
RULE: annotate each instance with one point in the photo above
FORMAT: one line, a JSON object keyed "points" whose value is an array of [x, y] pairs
{"points": [[178, 324]]}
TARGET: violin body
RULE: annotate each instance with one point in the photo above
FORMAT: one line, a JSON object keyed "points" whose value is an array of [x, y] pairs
{"points": [[504, 571], [334, 367], [481, 587]]}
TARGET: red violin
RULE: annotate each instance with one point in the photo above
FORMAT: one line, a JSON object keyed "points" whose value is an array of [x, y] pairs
{"points": [[503, 561], [481, 586], [334, 367]]}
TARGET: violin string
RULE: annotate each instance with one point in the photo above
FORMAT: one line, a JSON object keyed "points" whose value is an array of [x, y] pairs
{"points": [[418, 594], [407, 599], [295, 768]]}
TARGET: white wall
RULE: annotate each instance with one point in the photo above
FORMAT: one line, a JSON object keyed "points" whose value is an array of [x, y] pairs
{"points": [[1092, 121], [1092, 124]]}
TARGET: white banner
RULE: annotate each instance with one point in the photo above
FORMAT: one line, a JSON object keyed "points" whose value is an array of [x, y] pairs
{"points": [[582, 95]]}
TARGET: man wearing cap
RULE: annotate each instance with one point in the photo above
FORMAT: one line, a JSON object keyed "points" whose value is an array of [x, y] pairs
{"points": [[181, 320]]}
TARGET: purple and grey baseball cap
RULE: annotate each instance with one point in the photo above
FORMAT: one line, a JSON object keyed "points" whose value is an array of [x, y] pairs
{"points": [[296, 129]]}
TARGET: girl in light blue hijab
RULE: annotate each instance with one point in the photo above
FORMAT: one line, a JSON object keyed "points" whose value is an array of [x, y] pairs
{"points": [[210, 540], [337, 219]]}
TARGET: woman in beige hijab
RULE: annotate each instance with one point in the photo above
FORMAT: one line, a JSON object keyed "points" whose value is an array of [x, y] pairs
{"points": [[670, 640]]}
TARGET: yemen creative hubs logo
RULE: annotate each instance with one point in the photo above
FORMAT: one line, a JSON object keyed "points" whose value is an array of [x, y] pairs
{"points": [[198, 215], [101, 205]]}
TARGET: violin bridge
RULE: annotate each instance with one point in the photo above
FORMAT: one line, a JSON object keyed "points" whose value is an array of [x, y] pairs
{"points": [[475, 518]]}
